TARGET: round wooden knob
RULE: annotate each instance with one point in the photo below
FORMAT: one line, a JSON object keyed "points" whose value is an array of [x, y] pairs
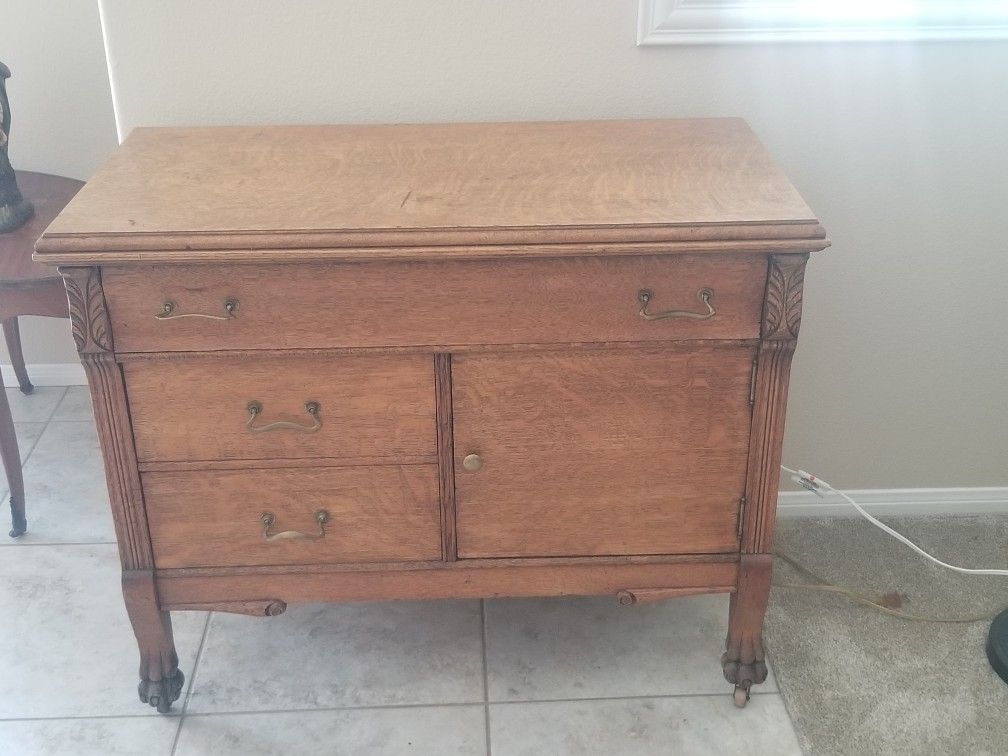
{"points": [[472, 462]]}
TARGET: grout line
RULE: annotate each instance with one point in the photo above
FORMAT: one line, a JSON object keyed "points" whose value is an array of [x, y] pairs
{"points": [[784, 701], [83, 717], [486, 676], [454, 704], [66, 390], [192, 682], [45, 425], [55, 406], [25, 544], [178, 731], [196, 662], [58, 403], [643, 696], [254, 712]]}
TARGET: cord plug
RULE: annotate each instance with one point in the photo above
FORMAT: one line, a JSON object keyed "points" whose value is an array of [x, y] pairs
{"points": [[810, 482]]}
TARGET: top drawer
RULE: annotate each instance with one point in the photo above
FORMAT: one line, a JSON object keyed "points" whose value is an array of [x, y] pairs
{"points": [[332, 305]]}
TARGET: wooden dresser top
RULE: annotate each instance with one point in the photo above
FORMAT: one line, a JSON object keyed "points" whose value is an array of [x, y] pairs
{"points": [[417, 191]]}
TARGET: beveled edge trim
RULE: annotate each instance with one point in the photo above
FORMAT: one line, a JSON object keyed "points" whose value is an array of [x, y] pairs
{"points": [[799, 228], [224, 354], [104, 250]]}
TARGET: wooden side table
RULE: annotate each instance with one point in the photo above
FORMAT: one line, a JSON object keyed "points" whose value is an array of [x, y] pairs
{"points": [[27, 288]]}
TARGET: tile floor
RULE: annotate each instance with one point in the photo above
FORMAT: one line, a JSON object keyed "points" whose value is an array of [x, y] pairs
{"points": [[520, 676]]}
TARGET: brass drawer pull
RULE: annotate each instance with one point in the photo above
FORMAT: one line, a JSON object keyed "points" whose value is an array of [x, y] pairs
{"points": [[644, 296], [312, 408], [168, 312], [268, 520]]}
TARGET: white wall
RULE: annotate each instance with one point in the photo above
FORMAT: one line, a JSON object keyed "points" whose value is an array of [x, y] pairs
{"points": [[62, 116], [901, 148]]}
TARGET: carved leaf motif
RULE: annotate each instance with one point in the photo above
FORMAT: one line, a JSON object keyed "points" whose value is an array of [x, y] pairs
{"points": [[98, 317], [782, 313], [78, 312], [88, 317]]}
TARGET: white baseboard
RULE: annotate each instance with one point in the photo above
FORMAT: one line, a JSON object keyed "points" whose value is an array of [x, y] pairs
{"points": [[883, 502], [52, 374]]}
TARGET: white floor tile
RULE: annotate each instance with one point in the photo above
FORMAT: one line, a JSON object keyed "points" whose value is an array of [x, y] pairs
{"points": [[75, 405], [36, 407], [351, 654], [28, 435], [68, 648], [643, 727], [438, 731], [66, 498], [595, 648], [110, 736]]}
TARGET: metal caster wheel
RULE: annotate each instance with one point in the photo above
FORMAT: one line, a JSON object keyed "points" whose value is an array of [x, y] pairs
{"points": [[741, 696]]}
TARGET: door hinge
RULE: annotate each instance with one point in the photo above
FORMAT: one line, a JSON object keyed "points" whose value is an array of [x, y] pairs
{"points": [[741, 516], [752, 385]]}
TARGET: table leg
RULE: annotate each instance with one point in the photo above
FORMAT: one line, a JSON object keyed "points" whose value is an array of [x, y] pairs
{"points": [[12, 335], [12, 466]]}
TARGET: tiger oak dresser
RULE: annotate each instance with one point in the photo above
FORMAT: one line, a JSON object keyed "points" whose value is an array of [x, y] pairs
{"points": [[469, 360]]}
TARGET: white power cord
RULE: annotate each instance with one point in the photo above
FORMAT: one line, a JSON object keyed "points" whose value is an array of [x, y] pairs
{"points": [[820, 488]]}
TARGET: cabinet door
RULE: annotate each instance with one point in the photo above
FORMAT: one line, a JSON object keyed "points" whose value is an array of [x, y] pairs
{"points": [[592, 452]]}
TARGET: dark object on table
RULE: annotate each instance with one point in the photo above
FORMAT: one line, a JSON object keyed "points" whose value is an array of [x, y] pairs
{"points": [[27, 288], [997, 645], [14, 208]]}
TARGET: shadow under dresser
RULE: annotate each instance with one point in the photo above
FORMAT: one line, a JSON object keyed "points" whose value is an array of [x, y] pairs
{"points": [[463, 360]]}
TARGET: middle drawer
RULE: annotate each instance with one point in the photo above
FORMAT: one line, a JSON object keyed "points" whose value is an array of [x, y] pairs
{"points": [[359, 409]]}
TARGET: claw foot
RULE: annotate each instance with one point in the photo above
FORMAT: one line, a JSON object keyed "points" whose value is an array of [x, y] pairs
{"points": [[743, 676], [162, 693]]}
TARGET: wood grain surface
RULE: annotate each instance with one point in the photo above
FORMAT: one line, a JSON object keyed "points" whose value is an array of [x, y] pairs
{"points": [[367, 186], [433, 303], [498, 415], [371, 407], [213, 519], [601, 452]]}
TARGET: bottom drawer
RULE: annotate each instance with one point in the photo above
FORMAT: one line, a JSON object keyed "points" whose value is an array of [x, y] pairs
{"points": [[219, 518]]}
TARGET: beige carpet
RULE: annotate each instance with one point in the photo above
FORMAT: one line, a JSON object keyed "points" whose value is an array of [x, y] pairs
{"points": [[859, 682]]}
